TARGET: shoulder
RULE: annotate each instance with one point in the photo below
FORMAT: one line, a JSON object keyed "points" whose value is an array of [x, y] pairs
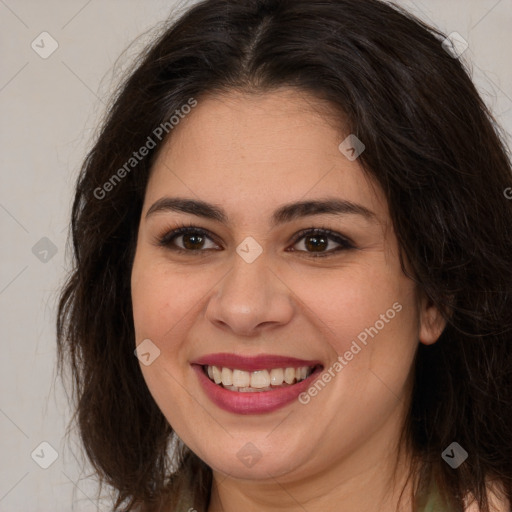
{"points": [[498, 501]]}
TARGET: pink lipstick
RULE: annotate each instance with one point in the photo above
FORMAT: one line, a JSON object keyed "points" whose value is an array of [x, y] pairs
{"points": [[249, 401]]}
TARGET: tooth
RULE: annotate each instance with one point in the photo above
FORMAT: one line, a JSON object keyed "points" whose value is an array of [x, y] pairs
{"points": [[289, 375], [257, 380], [241, 379], [227, 377], [216, 375], [260, 379], [276, 376]]}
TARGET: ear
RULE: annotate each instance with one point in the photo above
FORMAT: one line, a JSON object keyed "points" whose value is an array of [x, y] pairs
{"points": [[431, 321]]}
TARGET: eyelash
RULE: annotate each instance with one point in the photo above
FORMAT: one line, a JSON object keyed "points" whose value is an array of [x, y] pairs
{"points": [[184, 229], [166, 240]]}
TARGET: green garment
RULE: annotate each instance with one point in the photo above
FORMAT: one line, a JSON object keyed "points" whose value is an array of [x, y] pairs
{"points": [[434, 503]]}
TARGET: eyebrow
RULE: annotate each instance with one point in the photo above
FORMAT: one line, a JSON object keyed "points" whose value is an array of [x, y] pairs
{"points": [[283, 214]]}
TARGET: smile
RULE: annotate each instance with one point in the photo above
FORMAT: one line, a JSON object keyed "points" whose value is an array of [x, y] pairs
{"points": [[254, 385], [256, 381]]}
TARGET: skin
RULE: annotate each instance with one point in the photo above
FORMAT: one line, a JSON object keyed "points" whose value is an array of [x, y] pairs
{"points": [[251, 154]]}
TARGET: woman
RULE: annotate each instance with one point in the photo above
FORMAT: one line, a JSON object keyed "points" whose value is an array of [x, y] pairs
{"points": [[294, 217]]}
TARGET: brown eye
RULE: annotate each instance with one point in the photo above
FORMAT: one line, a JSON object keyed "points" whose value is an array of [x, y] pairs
{"points": [[187, 239], [316, 242], [192, 241]]}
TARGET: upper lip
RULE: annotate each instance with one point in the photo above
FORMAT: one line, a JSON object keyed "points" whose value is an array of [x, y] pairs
{"points": [[253, 363]]}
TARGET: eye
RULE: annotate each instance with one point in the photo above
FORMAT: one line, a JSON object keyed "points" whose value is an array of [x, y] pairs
{"points": [[187, 239], [317, 240], [314, 241]]}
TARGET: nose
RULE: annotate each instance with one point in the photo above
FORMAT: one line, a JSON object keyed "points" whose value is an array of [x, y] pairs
{"points": [[250, 299]]}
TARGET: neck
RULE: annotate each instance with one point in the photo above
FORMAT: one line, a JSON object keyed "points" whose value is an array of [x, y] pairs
{"points": [[370, 479]]}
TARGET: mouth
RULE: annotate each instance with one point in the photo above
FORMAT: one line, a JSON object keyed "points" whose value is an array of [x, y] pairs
{"points": [[257, 381], [254, 385]]}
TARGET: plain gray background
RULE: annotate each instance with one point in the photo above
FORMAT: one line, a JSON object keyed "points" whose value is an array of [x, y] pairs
{"points": [[50, 111]]}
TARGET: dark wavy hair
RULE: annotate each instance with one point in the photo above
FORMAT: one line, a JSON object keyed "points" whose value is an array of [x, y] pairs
{"points": [[431, 145]]}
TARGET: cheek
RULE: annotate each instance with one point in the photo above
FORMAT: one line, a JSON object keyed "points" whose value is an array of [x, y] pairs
{"points": [[162, 297], [163, 309], [368, 317], [358, 302]]}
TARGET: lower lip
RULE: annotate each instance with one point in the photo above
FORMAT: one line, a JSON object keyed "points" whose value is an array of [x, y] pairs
{"points": [[257, 402]]}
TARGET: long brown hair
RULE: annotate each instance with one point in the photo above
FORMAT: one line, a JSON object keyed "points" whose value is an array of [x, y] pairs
{"points": [[431, 144]]}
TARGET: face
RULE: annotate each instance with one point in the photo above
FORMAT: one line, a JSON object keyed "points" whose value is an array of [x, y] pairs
{"points": [[288, 260]]}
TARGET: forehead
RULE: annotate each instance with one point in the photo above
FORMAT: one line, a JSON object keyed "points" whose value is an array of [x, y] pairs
{"points": [[258, 151]]}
